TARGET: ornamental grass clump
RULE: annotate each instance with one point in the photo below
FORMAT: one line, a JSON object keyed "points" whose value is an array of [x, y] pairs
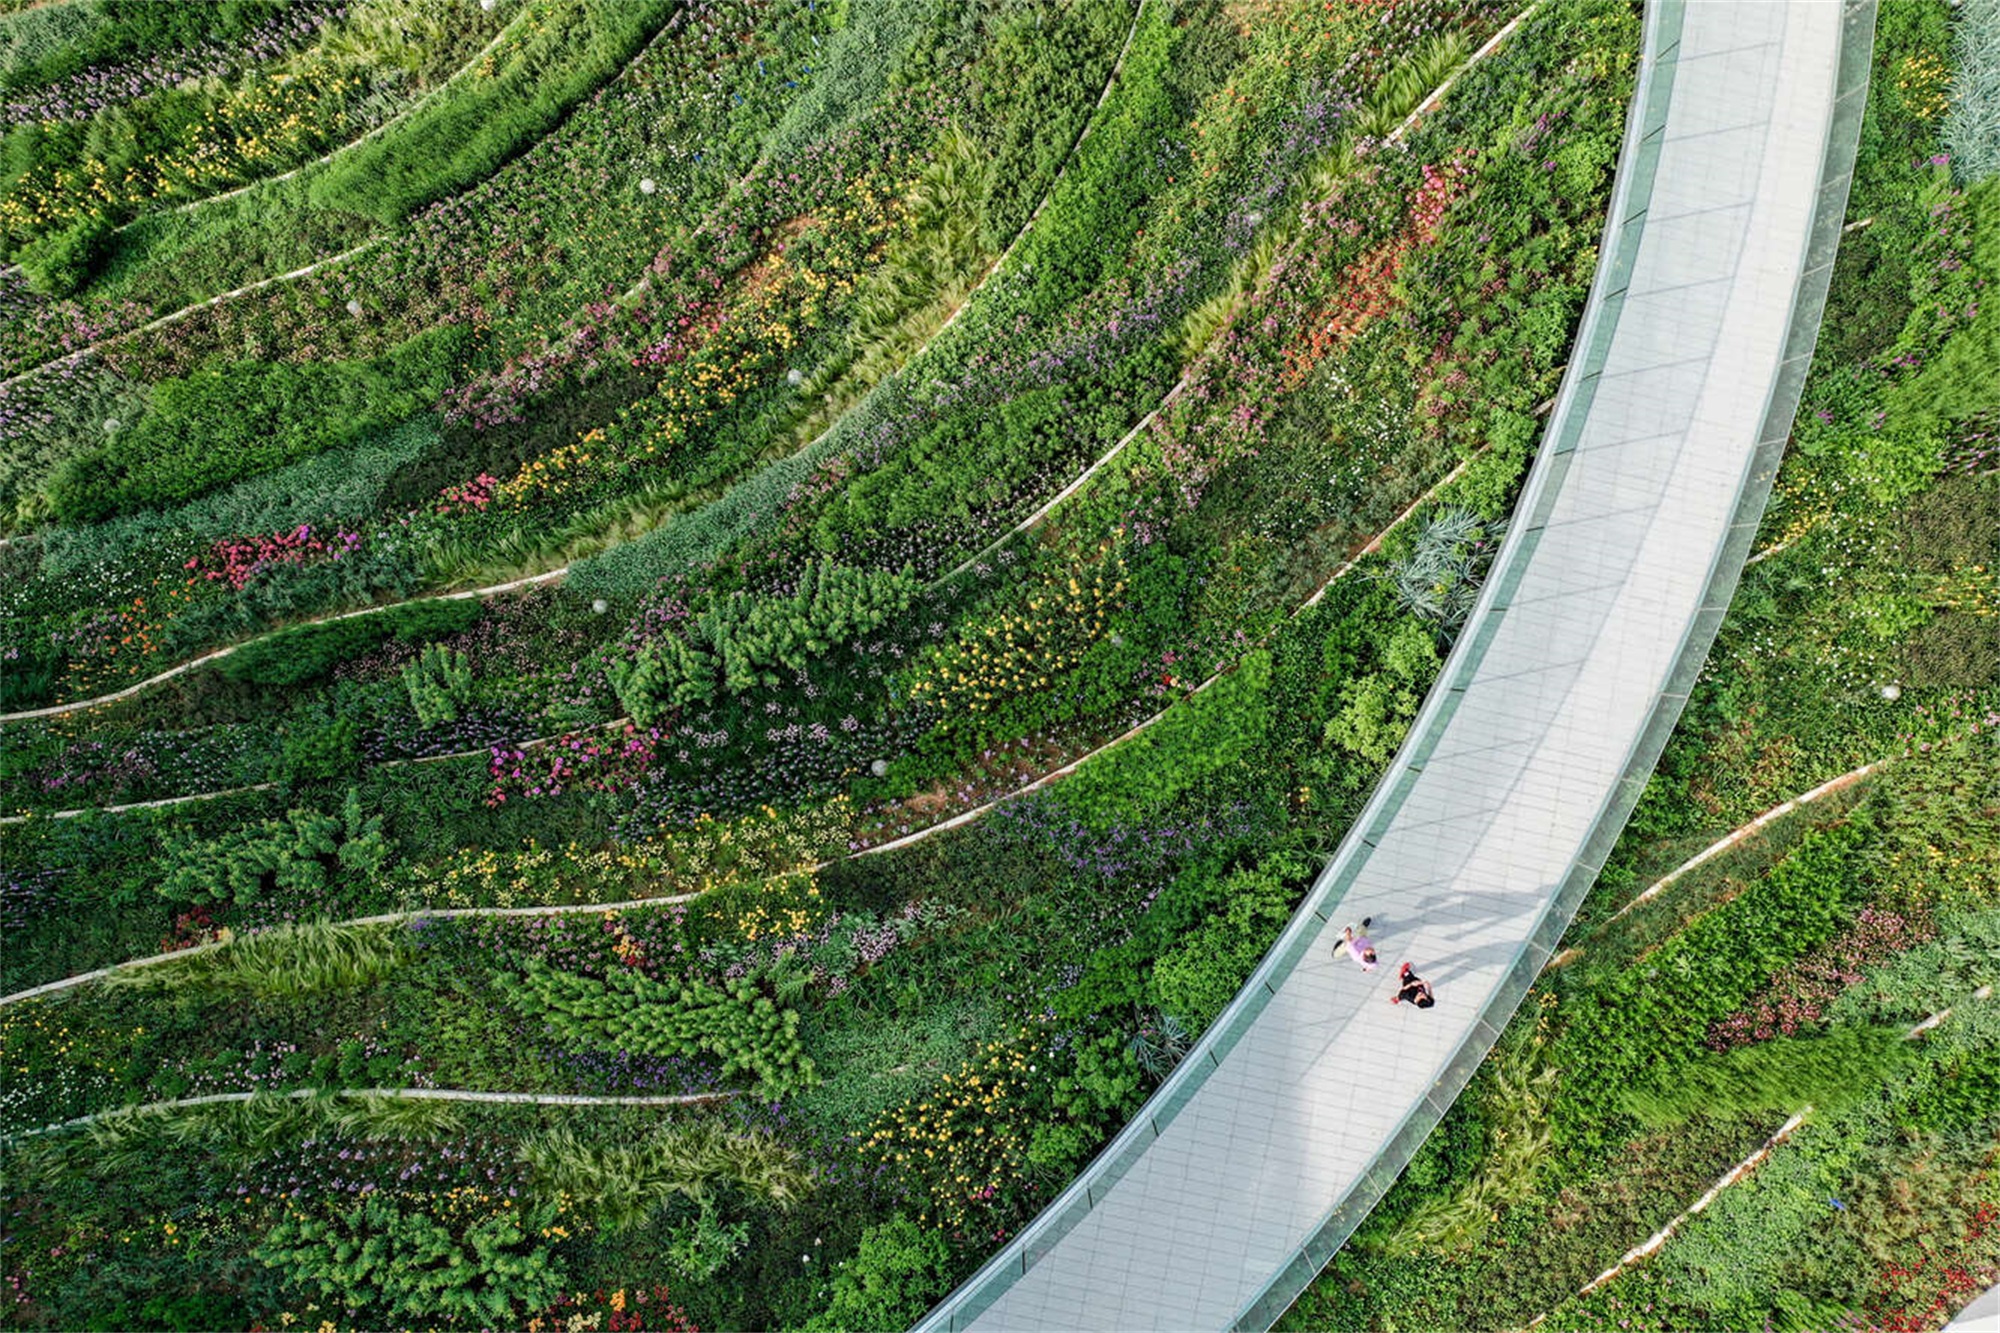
{"points": [[286, 962], [1972, 126], [1828, 1070], [624, 1182], [245, 1132]]}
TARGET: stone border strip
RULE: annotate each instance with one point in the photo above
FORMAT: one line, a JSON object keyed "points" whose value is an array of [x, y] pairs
{"points": [[175, 316], [408, 111], [1727, 842], [976, 561], [1743, 1168]]}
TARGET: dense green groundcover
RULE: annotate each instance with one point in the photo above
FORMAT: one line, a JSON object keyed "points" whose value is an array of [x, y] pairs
{"points": [[755, 334]]}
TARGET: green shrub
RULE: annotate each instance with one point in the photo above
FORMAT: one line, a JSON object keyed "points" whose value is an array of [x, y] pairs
{"points": [[901, 1269], [305, 850], [629, 1011], [320, 751], [47, 43], [439, 683], [1647, 1022], [340, 486], [1376, 709], [1199, 736], [1119, 978], [1966, 1092], [1959, 378], [1198, 978], [62, 262], [383, 1261], [854, 66], [743, 640], [1044, 64], [37, 42], [1094, 212], [700, 1247]]}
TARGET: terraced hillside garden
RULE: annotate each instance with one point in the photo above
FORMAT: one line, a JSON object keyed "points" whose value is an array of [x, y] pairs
{"points": [[830, 569]]}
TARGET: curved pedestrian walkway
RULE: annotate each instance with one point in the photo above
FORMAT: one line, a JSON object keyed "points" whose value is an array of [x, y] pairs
{"points": [[1296, 1111]]}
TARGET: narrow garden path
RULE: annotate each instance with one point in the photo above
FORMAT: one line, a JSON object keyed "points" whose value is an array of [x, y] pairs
{"points": [[552, 575], [396, 1094], [1273, 1138], [558, 909]]}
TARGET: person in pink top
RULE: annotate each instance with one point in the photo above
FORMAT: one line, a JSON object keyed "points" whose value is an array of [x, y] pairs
{"points": [[1359, 947]]}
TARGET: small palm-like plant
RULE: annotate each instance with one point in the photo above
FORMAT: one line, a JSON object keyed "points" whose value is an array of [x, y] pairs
{"points": [[1441, 577], [1159, 1045]]}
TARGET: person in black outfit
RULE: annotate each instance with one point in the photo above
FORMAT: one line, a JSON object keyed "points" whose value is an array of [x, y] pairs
{"points": [[1414, 990]]}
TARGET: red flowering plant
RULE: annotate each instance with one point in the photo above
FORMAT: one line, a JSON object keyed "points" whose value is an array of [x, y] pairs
{"points": [[1945, 1273], [474, 494], [1367, 287], [192, 928], [601, 760], [237, 560], [626, 1310]]}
